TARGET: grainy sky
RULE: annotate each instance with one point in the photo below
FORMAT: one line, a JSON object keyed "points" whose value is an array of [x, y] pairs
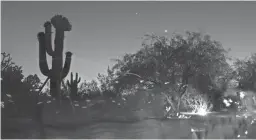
{"points": [[105, 30]]}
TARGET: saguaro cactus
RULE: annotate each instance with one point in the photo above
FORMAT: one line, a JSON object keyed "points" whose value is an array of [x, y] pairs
{"points": [[57, 72], [73, 85]]}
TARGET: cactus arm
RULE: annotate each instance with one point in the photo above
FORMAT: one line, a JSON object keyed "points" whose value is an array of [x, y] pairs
{"points": [[79, 80], [67, 64], [71, 78], [42, 55], [48, 38], [68, 83], [76, 77]]}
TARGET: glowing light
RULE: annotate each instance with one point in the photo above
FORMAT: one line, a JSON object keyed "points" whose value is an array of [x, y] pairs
{"points": [[9, 95], [165, 31], [230, 100], [238, 136], [226, 102], [246, 132], [242, 94], [202, 112], [166, 83], [168, 109], [39, 103], [2, 104]]}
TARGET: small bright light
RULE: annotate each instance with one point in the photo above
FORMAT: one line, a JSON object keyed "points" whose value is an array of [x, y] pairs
{"points": [[137, 13], [238, 136], [168, 109], [226, 102], [141, 81], [166, 83], [2, 104], [202, 112], [165, 31], [39, 103], [192, 130], [246, 132], [242, 95], [230, 100], [9, 95]]}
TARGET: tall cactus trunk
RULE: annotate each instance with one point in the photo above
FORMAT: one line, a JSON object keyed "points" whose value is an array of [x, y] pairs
{"points": [[57, 72], [57, 63]]}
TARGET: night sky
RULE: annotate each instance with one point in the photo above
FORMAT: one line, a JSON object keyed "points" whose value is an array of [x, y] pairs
{"points": [[105, 30]]}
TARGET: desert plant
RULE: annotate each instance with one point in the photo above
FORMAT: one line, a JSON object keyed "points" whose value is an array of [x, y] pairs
{"points": [[57, 72], [73, 83]]}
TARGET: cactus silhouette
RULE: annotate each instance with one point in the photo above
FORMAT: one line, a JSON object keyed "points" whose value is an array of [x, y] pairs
{"points": [[73, 86], [57, 72]]}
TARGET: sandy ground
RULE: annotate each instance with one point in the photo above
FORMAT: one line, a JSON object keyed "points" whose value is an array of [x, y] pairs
{"points": [[143, 129]]}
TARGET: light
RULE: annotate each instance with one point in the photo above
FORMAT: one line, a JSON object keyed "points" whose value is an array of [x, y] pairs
{"points": [[230, 100], [39, 103], [165, 31], [226, 102], [246, 132], [242, 95], [2, 104], [202, 112], [9, 95], [167, 108]]}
